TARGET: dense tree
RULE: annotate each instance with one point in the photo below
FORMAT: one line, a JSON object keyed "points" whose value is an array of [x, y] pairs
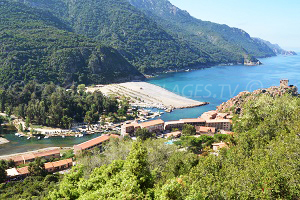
{"points": [[37, 168], [144, 134], [58, 107], [188, 130]]}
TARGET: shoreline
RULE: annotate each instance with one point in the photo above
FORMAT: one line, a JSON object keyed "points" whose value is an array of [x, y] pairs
{"points": [[7, 156], [147, 95]]}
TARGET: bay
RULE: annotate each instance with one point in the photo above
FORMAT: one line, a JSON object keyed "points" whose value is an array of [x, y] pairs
{"points": [[220, 83], [214, 85]]}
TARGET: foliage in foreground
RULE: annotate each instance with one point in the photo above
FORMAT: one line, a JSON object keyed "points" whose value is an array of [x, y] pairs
{"points": [[262, 163]]}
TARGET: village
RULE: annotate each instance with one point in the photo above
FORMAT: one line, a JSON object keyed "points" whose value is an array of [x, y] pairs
{"points": [[209, 123]]}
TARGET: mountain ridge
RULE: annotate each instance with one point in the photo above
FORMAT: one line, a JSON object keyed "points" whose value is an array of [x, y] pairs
{"points": [[37, 45]]}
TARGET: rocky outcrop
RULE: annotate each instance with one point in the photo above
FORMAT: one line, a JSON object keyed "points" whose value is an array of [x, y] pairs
{"points": [[234, 105]]}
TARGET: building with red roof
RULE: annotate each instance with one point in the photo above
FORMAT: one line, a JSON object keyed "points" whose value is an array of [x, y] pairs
{"points": [[96, 142]]}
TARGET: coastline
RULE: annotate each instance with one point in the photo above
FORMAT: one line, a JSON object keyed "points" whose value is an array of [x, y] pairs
{"points": [[147, 95], [8, 156]]}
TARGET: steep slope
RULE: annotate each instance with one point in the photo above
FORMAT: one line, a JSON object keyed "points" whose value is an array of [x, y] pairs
{"points": [[34, 44], [179, 23], [276, 48], [137, 37]]}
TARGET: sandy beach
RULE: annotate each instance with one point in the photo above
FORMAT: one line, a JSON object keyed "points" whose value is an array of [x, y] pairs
{"points": [[148, 95]]}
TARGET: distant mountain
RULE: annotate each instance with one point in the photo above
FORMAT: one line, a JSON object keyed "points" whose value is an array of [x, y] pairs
{"points": [[35, 44], [276, 48], [154, 35], [200, 33], [92, 41]]}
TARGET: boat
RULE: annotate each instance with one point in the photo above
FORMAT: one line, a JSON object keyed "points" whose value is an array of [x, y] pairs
{"points": [[76, 135], [17, 134], [28, 138], [63, 136], [80, 135], [46, 137], [39, 138]]}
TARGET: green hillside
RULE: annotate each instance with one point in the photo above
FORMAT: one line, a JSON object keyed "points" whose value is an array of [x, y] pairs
{"points": [[118, 24], [200, 33], [62, 40], [157, 40], [34, 44]]}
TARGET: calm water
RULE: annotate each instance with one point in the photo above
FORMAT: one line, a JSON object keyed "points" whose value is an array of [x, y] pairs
{"points": [[18, 145], [214, 85], [218, 84]]}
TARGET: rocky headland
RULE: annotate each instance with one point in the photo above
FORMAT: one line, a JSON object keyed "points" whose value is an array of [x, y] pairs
{"points": [[235, 104]]}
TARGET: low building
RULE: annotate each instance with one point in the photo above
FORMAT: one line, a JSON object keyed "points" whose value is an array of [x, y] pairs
{"points": [[220, 124], [30, 157], [96, 142], [50, 167], [173, 125], [175, 134], [18, 160], [203, 130], [48, 154], [58, 165], [153, 126], [23, 171], [218, 146], [194, 121], [129, 129], [17, 172]]}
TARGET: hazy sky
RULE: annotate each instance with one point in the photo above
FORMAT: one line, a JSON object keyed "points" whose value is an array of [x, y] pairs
{"points": [[277, 21]]}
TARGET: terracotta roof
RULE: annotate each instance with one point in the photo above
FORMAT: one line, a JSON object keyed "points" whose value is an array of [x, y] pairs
{"points": [[193, 120], [48, 165], [92, 142], [47, 153], [175, 134], [132, 124], [29, 156], [152, 123], [205, 129], [23, 170], [221, 144], [59, 163], [16, 158]]}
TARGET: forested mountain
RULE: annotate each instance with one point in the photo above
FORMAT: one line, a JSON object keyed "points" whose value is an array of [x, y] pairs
{"points": [[155, 35], [202, 34], [62, 40], [34, 44]]}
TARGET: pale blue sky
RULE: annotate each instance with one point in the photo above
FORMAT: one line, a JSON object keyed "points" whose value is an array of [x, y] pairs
{"points": [[277, 21]]}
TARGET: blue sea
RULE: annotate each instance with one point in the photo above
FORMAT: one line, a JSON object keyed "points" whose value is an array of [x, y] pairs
{"points": [[214, 85], [220, 83]]}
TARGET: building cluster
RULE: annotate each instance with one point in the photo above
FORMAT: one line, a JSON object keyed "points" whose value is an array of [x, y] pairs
{"points": [[208, 123], [50, 167], [30, 157]]}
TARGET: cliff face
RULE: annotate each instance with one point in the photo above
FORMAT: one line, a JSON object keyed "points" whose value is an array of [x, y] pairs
{"points": [[235, 104]]}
